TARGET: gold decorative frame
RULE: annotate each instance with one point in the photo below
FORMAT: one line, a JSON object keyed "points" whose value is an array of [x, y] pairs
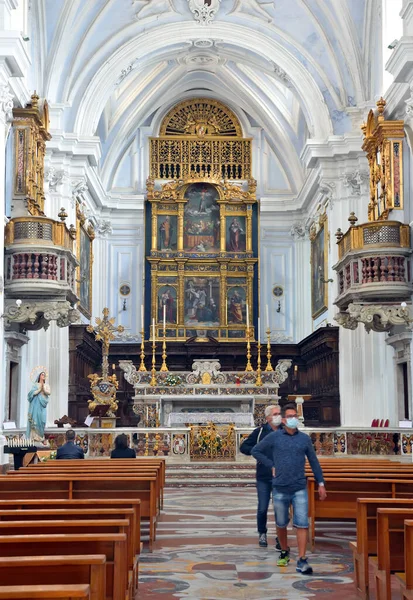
{"points": [[220, 264], [383, 144], [89, 233], [30, 126], [319, 258]]}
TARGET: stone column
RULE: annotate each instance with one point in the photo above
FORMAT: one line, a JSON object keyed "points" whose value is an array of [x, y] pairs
{"points": [[6, 105]]}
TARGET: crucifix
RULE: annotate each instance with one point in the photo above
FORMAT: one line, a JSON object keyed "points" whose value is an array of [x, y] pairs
{"points": [[104, 331]]}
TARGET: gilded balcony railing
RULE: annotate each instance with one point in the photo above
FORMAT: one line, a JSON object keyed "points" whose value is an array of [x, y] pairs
{"points": [[38, 230], [214, 157], [377, 234]]}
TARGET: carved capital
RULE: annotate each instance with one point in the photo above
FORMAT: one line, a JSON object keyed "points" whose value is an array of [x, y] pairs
{"points": [[6, 102], [354, 180], [300, 231], [55, 177]]}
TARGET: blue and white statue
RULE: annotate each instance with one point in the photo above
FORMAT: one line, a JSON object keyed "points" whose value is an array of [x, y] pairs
{"points": [[38, 398]]}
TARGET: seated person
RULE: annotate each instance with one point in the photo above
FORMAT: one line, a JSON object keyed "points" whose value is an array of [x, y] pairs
{"points": [[121, 448], [69, 450]]}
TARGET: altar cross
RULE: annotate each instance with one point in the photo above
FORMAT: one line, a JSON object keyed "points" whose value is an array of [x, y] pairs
{"points": [[104, 331]]}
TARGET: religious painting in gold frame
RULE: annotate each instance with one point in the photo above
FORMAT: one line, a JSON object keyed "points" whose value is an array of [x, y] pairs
{"points": [[209, 203], [85, 237], [319, 267]]}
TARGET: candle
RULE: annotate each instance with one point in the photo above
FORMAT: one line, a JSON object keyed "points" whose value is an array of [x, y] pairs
{"points": [[153, 330], [113, 367], [142, 318], [147, 413], [295, 369], [267, 317], [164, 316], [259, 329], [248, 317]]}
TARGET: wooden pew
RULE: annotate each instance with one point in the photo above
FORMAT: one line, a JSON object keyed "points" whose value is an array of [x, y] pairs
{"points": [[406, 578], [112, 545], [79, 504], [85, 487], [390, 548], [32, 525], [56, 570], [44, 592], [343, 492], [75, 513], [145, 471], [106, 464], [366, 544]]}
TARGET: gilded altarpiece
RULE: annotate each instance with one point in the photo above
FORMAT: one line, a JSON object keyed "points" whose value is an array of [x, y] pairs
{"points": [[202, 233]]}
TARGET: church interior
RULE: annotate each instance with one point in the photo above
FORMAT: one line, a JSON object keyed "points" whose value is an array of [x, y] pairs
{"points": [[206, 218]]}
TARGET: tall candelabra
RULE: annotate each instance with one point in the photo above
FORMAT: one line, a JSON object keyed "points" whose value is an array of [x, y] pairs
{"points": [[142, 365], [153, 370], [269, 365], [249, 366], [258, 381], [164, 365]]}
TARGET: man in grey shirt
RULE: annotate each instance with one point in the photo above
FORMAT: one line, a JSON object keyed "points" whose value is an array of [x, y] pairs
{"points": [[288, 449]]}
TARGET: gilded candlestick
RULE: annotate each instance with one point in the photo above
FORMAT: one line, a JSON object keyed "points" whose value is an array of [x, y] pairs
{"points": [[269, 365], [142, 365], [153, 370], [249, 366], [164, 366], [258, 381]]}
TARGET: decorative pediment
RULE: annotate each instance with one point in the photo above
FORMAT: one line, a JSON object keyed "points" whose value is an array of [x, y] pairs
{"points": [[201, 117]]}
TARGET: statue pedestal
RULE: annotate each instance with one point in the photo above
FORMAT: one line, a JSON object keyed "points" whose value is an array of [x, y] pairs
{"points": [[103, 422]]}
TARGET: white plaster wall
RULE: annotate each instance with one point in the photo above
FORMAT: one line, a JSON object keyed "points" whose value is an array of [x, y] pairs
{"points": [[119, 259], [277, 267]]}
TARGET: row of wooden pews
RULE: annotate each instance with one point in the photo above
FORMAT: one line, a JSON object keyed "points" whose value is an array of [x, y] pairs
{"points": [[378, 494], [74, 527]]}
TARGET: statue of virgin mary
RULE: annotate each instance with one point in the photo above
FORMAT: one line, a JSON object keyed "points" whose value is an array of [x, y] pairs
{"points": [[38, 398]]}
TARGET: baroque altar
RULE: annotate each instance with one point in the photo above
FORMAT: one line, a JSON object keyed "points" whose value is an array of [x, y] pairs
{"points": [[205, 389]]}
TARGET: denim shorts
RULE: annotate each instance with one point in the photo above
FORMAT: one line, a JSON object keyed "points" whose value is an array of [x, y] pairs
{"points": [[299, 502]]}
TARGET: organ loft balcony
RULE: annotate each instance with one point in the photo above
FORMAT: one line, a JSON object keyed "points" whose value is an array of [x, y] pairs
{"points": [[373, 273], [40, 273]]}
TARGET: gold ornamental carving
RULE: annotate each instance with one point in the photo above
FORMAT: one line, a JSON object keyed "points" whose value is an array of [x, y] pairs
{"points": [[201, 117], [200, 138], [104, 387], [202, 233], [383, 144], [30, 125]]}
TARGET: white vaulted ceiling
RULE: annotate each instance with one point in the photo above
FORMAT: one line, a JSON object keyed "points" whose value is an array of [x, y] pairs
{"points": [[293, 68]]}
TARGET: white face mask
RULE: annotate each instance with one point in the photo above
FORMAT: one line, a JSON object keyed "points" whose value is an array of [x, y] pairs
{"points": [[276, 420]]}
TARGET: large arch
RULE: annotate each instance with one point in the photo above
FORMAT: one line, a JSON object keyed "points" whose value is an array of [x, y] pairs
{"points": [[93, 100]]}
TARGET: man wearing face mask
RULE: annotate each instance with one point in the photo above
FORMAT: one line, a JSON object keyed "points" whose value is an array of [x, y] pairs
{"points": [[288, 449], [263, 473]]}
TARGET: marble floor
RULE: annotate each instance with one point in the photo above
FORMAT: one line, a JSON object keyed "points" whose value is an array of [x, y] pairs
{"points": [[206, 549]]}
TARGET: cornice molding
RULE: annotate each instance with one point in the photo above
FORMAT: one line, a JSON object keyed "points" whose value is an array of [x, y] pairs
{"points": [[348, 144]]}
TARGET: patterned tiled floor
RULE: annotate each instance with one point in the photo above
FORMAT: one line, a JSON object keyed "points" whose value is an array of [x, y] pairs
{"points": [[206, 549]]}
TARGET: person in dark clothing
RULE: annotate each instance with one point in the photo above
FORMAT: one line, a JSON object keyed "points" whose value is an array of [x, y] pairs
{"points": [[288, 449], [121, 448], [263, 473], [69, 450]]}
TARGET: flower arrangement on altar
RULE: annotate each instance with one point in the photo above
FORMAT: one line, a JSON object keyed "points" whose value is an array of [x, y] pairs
{"points": [[209, 439], [173, 380]]}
